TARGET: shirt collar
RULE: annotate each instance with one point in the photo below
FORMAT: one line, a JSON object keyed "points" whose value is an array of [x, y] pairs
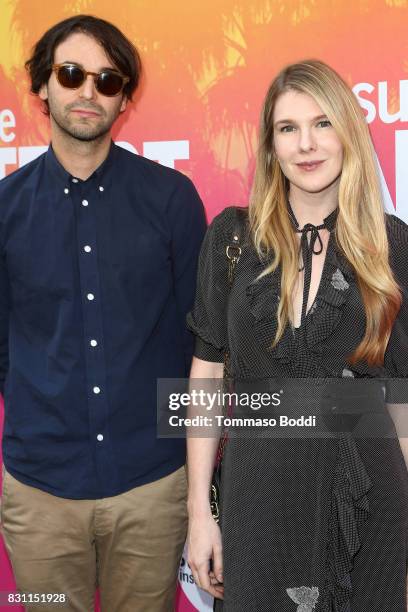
{"points": [[329, 222], [59, 172]]}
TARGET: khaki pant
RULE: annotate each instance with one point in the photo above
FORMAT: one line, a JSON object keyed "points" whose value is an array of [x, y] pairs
{"points": [[128, 545]]}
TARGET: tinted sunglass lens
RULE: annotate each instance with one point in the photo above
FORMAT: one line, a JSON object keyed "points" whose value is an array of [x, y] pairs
{"points": [[109, 83], [70, 76]]}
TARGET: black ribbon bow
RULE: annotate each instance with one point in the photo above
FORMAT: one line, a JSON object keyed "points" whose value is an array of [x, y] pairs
{"points": [[308, 248]]}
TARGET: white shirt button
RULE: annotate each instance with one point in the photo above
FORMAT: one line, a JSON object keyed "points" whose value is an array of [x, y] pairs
{"points": [[96, 390], [87, 248], [85, 202], [90, 297], [74, 180], [93, 343], [66, 190], [100, 188], [99, 437]]}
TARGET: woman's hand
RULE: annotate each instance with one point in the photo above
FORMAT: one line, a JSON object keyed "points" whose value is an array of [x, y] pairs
{"points": [[205, 554], [204, 547]]}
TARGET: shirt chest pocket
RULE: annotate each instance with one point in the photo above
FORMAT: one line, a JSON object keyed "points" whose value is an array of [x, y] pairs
{"points": [[141, 261]]}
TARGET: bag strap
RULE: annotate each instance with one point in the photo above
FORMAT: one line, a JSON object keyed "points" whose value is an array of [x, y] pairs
{"points": [[233, 252]]}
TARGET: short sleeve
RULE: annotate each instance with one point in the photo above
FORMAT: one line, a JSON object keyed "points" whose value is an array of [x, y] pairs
{"points": [[208, 319], [396, 355]]}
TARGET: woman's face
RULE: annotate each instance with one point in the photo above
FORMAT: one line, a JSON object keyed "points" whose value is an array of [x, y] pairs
{"points": [[308, 149]]}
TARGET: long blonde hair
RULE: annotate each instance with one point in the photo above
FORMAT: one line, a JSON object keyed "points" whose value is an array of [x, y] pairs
{"points": [[360, 227]]}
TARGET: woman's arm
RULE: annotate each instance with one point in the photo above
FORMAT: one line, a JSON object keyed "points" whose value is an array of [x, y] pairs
{"points": [[204, 538], [399, 414]]}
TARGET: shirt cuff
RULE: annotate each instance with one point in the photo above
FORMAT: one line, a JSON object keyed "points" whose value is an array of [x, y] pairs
{"points": [[207, 352]]}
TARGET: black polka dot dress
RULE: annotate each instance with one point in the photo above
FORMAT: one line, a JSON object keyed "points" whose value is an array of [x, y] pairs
{"points": [[309, 523]]}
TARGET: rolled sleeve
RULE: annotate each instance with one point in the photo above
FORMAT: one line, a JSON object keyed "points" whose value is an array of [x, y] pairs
{"points": [[208, 318], [207, 352]]}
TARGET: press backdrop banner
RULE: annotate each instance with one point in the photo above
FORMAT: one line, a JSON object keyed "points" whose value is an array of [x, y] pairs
{"points": [[207, 68]]}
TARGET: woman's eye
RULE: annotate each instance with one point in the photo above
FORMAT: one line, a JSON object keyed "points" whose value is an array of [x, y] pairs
{"points": [[324, 123], [287, 128]]}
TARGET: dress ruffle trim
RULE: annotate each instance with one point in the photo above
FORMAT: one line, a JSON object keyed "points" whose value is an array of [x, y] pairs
{"points": [[349, 511], [264, 294]]}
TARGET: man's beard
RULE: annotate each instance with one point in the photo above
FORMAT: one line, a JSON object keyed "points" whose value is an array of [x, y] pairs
{"points": [[84, 132]]}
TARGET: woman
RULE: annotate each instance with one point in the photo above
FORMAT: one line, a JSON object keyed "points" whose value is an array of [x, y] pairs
{"points": [[320, 292]]}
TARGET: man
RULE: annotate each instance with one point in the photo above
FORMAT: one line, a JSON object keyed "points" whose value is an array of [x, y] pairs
{"points": [[98, 262]]}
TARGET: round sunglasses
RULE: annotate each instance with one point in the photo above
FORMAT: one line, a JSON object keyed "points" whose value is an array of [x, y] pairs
{"points": [[107, 82]]}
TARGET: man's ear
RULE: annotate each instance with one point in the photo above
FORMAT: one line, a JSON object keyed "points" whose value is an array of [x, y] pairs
{"points": [[123, 104], [43, 92]]}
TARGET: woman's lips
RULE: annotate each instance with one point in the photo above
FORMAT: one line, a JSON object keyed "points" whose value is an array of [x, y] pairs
{"points": [[310, 166]]}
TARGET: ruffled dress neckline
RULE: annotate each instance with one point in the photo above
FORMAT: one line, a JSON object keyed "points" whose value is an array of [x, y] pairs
{"points": [[323, 316]]}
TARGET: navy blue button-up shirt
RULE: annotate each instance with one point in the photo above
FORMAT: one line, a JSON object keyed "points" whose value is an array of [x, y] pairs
{"points": [[96, 278]]}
